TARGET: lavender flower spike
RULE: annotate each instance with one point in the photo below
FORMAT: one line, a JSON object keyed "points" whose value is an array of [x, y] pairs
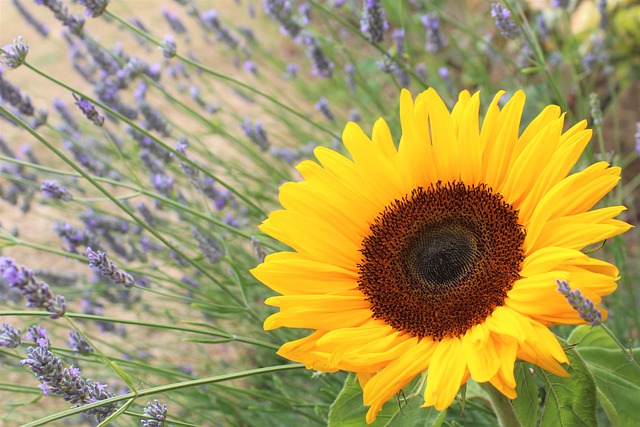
{"points": [[158, 413], [9, 337], [14, 54], [89, 110], [505, 24], [374, 21], [51, 189], [66, 381], [584, 306], [94, 8], [36, 292], [100, 262]]}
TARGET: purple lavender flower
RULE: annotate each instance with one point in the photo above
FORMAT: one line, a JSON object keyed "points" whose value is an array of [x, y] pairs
{"points": [[212, 22], [66, 381], [78, 343], [11, 94], [256, 134], [293, 70], [209, 245], [305, 13], [14, 54], [173, 21], [37, 25], [421, 71], [101, 263], [390, 66], [258, 250], [505, 24], [72, 237], [322, 67], [169, 47], [36, 292], [584, 306], [596, 111], [162, 183], [9, 337], [637, 135], [89, 110], [374, 21], [37, 332], [355, 116], [51, 189], [157, 412], [398, 36], [251, 67], [281, 11], [323, 107], [94, 8], [560, 3], [436, 41], [62, 14]]}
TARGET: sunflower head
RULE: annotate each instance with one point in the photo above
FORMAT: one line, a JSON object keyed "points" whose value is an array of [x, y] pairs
{"points": [[440, 253]]}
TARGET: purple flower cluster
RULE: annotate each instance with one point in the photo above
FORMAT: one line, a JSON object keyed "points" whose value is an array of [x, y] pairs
{"points": [[323, 107], [14, 54], [282, 12], [436, 41], [584, 306], [94, 8], [504, 22], [9, 337], [89, 110], [51, 189], [157, 412], [374, 21], [66, 382], [101, 263], [322, 67], [212, 22], [256, 134], [35, 291], [75, 24]]}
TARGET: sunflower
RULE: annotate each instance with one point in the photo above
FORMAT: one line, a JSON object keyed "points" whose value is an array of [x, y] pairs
{"points": [[441, 254]]}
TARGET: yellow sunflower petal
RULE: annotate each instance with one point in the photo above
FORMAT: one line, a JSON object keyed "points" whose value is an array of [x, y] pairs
{"points": [[446, 371], [481, 353]]}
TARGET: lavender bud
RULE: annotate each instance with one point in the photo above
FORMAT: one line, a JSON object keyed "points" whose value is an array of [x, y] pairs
{"points": [[210, 247], [101, 263], [604, 19], [35, 333], [596, 112], [355, 116], [421, 71], [14, 54], [398, 37], [258, 249], [157, 412], [35, 291], [323, 107], [11, 93], [251, 67], [89, 110], [256, 134], [9, 337], [504, 23], [637, 137], [94, 8], [281, 11], [66, 381], [584, 306], [293, 70], [169, 47], [560, 3], [436, 41], [37, 25], [174, 22], [78, 343], [51, 189], [322, 67], [374, 21]]}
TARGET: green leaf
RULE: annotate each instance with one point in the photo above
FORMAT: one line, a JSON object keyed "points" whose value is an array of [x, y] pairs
{"points": [[616, 378], [569, 401], [348, 410], [527, 403]]}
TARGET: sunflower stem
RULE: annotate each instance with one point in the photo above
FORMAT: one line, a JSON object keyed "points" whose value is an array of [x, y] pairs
{"points": [[501, 406]]}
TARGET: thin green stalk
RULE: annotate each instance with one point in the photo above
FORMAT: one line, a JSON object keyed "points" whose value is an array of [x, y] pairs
{"points": [[164, 389], [155, 325], [502, 406], [627, 353]]}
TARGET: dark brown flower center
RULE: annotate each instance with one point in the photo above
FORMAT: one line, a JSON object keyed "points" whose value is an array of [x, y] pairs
{"points": [[440, 260]]}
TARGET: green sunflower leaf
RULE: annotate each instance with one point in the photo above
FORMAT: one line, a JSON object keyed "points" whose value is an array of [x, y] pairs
{"points": [[527, 404], [348, 411], [569, 401], [618, 380]]}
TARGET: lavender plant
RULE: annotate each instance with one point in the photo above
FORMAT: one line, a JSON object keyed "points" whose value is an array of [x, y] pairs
{"points": [[156, 144]]}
